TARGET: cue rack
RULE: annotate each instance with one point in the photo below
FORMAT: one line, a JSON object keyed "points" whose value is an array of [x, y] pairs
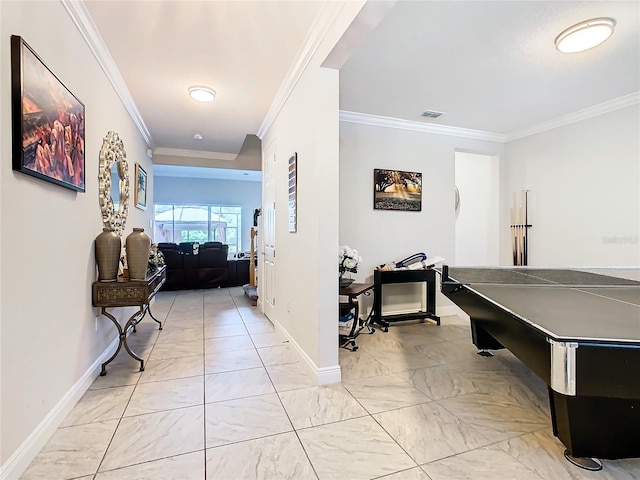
{"points": [[519, 226]]}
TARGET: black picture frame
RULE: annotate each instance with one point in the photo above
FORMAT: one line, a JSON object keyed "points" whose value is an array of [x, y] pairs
{"points": [[293, 193], [397, 190], [141, 187], [48, 129]]}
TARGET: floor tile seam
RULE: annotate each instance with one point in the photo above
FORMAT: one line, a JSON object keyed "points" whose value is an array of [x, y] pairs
{"points": [[113, 434], [204, 399], [153, 412], [315, 472], [173, 301], [235, 442], [170, 379], [386, 475], [332, 422], [398, 408], [229, 371], [151, 461], [492, 444], [255, 395], [268, 436], [395, 441], [513, 402], [357, 401], [478, 429]]}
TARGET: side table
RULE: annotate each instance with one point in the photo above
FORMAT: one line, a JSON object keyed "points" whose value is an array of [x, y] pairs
{"points": [[128, 293], [380, 278], [352, 292]]}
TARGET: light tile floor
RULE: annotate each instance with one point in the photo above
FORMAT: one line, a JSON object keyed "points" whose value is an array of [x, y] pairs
{"points": [[225, 397]]}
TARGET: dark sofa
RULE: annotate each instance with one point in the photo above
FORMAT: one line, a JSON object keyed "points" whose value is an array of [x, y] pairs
{"points": [[203, 267]]}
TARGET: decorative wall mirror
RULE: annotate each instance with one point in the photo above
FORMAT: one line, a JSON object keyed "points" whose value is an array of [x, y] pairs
{"points": [[113, 158]]}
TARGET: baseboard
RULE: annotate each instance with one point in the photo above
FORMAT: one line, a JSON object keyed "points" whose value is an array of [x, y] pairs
{"points": [[324, 375], [328, 375], [18, 462], [448, 310]]}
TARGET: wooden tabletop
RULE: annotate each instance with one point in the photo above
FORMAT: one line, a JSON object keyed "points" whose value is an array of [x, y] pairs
{"points": [[356, 289]]}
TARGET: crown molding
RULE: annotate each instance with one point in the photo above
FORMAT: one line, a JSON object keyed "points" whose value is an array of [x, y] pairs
{"points": [[177, 152], [80, 16], [321, 25], [594, 111], [388, 122]]}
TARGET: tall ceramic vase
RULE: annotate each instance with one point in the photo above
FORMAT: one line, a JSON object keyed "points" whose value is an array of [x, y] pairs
{"points": [[108, 246], [138, 244]]}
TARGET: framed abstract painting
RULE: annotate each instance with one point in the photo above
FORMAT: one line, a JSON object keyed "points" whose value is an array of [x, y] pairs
{"points": [[47, 121]]}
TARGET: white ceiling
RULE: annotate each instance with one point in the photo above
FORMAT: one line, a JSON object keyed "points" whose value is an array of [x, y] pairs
{"points": [[489, 65], [205, 172], [241, 49]]}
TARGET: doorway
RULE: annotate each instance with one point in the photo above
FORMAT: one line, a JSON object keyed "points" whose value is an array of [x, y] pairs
{"points": [[477, 212]]}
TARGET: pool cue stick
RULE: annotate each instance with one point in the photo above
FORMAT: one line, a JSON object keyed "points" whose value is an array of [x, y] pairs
{"points": [[526, 222], [512, 235], [521, 231], [514, 229]]}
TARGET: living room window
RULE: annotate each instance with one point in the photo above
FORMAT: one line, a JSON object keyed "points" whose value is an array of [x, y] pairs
{"points": [[199, 223]]}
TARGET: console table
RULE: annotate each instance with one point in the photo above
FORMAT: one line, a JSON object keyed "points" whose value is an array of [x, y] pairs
{"points": [[352, 292], [128, 293], [404, 276]]}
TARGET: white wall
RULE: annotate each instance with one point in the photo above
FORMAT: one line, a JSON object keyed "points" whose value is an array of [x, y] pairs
{"points": [[477, 220], [584, 203], [178, 190], [49, 337], [306, 283], [382, 236]]}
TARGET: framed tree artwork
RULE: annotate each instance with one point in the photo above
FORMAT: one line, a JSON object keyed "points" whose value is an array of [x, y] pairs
{"points": [[397, 190]]}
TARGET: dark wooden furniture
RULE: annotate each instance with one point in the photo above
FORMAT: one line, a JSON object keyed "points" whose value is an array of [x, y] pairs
{"points": [[352, 292], [381, 278], [209, 268], [579, 332], [128, 293]]}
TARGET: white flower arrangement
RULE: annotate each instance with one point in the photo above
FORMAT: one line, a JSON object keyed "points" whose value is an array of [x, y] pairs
{"points": [[348, 259], [156, 258]]}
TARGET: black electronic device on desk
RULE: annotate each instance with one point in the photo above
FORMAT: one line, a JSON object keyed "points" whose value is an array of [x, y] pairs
{"points": [[579, 331]]}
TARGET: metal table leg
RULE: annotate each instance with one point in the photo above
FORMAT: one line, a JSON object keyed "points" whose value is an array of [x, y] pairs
{"points": [[122, 338]]}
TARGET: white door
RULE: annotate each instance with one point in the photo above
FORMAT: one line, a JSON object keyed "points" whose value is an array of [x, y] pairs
{"points": [[267, 285], [477, 220]]}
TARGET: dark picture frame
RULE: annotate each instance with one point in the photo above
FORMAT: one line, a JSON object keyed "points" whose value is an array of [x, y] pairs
{"points": [[141, 188], [293, 193], [47, 122], [397, 190]]}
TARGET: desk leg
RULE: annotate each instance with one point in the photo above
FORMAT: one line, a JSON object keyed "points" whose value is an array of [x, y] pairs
{"points": [[122, 340], [154, 318]]}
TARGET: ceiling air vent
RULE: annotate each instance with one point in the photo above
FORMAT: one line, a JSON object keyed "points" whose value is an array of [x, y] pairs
{"points": [[431, 114]]}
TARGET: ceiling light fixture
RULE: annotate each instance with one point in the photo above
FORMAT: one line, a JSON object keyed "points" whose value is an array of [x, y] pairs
{"points": [[585, 35], [202, 94], [198, 136]]}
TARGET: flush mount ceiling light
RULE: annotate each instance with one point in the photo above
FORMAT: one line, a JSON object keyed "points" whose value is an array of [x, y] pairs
{"points": [[198, 136], [202, 94], [585, 35]]}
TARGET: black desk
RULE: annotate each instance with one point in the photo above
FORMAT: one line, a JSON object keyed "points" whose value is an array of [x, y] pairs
{"points": [[579, 332], [352, 292], [128, 293], [380, 278]]}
